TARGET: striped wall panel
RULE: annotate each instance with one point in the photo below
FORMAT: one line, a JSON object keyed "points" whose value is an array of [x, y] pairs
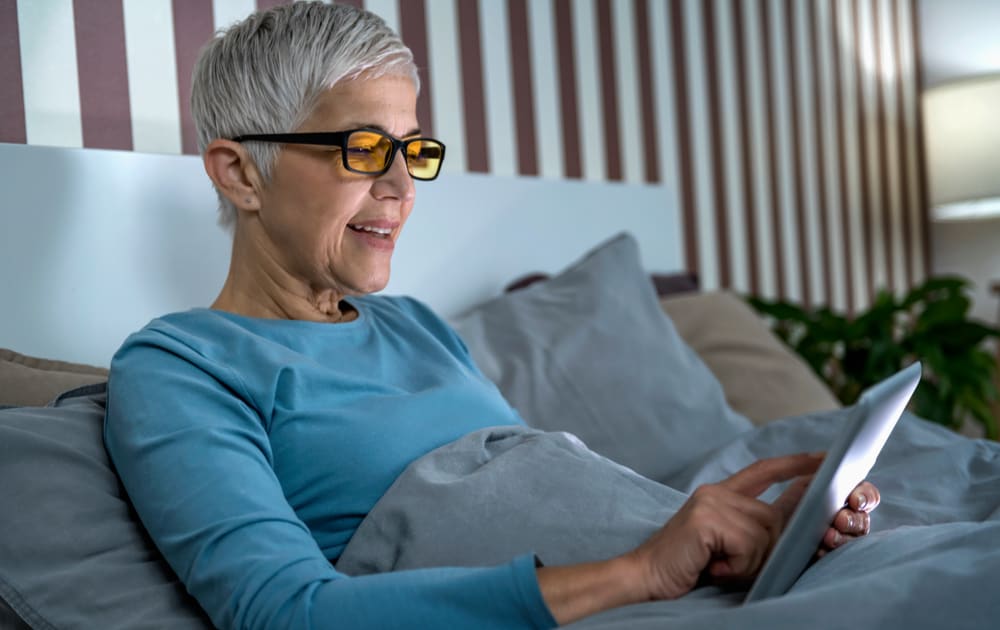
{"points": [[786, 130]]}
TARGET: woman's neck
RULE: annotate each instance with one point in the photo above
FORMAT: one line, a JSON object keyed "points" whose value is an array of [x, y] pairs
{"points": [[259, 286]]}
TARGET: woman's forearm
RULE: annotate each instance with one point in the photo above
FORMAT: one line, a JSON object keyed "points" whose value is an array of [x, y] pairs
{"points": [[577, 591]]}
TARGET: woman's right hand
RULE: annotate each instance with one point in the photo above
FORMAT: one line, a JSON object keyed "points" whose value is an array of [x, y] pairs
{"points": [[723, 532]]}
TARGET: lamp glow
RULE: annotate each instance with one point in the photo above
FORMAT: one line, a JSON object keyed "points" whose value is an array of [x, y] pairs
{"points": [[962, 134]]}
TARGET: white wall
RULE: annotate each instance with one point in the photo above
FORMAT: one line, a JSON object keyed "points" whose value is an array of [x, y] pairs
{"points": [[959, 38]]}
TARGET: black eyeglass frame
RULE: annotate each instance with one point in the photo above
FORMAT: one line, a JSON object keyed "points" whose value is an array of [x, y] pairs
{"points": [[339, 139]]}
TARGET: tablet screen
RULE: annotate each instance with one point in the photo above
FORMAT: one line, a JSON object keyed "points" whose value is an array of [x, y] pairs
{"points": [[848, 461]]}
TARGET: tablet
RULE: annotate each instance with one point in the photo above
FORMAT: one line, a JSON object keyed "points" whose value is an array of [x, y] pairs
{"points": [[847, 463]]}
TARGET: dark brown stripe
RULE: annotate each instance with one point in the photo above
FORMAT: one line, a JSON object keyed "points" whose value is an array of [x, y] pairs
{"points": [[749, 187], [105, 115], [193, 26], [609, 91], [413, 29], [715, 127], [904, 150], [684, 142], [567, 89], [649, 131], [805, 282], [883, 200], [263, 5], [866, 207], [841, 152], [923, 199], [812, 17], [477, 150], [776, 220], [520, 68], [12, 95]]}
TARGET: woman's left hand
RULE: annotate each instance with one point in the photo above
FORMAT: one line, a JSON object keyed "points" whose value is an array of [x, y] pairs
{"points": [[854, 520]]}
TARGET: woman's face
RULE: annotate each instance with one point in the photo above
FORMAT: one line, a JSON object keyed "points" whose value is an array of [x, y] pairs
{"points": [[314, 211]]}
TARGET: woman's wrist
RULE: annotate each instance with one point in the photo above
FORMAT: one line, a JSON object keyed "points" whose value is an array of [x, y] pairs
{"points": [[577, 591]]}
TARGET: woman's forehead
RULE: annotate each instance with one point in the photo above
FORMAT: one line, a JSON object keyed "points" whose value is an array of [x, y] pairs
{"points": [[386, 102]]}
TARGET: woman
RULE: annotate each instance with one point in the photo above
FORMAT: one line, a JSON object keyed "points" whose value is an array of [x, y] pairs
{"points": [[254, 436]]}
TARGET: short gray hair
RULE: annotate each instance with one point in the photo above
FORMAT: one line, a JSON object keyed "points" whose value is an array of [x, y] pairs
{"points": [[264, 74]]}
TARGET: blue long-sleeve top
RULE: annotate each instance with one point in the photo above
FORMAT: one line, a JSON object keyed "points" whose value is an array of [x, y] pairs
{"points": [[253, 448]]}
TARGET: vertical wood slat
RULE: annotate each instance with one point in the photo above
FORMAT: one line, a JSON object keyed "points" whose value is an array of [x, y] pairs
{"points": [[649, 124], [12, 125], [473, 96], [567, 89], [779, 250], [923, 201], [609, 91], [812, 18], [105, 114], [882, 201], [904, 148], [193, 26], [263, 5], [798, 192], [716, 149], [749, 184], [842, 159], [413, 29], [866, 209], [685, 157], [524, 108]]}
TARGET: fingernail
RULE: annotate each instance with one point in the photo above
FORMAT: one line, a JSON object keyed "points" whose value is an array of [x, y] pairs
{"points": [[862, 501], [850, 521]]}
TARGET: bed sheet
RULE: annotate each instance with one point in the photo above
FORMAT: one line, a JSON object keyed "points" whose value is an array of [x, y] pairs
{"points": [[931, 561]]}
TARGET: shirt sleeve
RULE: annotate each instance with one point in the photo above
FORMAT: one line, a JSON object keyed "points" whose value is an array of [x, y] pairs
{"points": [[196, 462]]}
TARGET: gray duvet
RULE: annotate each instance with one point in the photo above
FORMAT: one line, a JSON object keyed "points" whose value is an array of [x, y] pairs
{"points": [[931, 561]]}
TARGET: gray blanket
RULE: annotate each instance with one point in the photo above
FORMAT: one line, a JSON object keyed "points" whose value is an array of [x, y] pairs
{"points": [[932, 560]]}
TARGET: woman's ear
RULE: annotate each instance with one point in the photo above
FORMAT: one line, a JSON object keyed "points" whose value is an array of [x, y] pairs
{"points": [[230, 168]]}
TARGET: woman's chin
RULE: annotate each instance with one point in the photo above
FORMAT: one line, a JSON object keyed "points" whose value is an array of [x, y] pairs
{"points": [[372, 283]]}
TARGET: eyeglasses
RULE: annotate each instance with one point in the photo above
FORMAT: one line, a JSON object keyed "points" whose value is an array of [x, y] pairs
{"points": [[369, 151]]}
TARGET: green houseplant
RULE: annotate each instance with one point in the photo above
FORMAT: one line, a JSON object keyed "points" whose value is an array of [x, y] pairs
{"points": [[930, 324]]}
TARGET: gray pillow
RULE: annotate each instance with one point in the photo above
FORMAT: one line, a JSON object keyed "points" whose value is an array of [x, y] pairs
{"points": [[72, 551], [590, 352]]}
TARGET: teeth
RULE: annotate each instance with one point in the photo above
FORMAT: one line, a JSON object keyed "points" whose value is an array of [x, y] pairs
{"points": [[382, 231]]}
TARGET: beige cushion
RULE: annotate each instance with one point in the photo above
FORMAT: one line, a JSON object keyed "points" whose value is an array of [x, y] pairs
{"points": [[762, 378], [30, 381]]}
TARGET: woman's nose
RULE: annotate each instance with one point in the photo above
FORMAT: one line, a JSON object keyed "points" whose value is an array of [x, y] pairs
{"points": [[396, 182]]}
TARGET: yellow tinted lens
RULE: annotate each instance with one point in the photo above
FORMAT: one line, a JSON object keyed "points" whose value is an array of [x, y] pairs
{"points": [[423, 158], [367, 151]]}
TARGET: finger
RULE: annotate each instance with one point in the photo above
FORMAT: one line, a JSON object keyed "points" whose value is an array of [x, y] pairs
{"points": [[762, 474], [745, 511], [747, 547], [741, 530], [852, 523], [764, 516], [790, 498], [832, 539], [865, 497]]}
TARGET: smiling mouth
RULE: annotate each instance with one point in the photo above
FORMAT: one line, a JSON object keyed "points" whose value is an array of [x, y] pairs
{"points": [[373, 231]]}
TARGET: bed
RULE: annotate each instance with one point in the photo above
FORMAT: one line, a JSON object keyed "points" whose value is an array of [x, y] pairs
{"points": [[617, 359]]}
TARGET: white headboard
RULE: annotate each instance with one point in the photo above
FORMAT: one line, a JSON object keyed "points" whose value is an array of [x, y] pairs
{"points": [[95, 243]]}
